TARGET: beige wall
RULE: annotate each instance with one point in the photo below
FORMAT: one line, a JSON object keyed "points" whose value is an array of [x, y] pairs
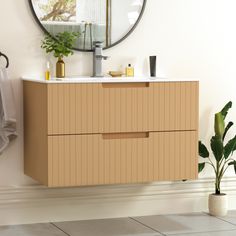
{"points": [[192, 39]]}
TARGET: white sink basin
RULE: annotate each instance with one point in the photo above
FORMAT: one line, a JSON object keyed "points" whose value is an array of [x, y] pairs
{"points": [[89, 79]]}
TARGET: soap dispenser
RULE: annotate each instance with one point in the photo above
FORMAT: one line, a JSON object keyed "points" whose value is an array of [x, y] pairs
{"points": [[129, 71], [47, 71]]}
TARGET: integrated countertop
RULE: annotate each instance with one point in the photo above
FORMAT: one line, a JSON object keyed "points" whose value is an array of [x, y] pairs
{"points": [[86, 79]]}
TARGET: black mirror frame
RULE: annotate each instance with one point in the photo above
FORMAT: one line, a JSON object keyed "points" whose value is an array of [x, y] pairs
{"points": [[112, 45]]}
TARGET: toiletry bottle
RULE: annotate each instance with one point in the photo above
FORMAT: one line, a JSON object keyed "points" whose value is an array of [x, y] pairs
{"points": [[48, 71], [153, 65], [129, 71]]}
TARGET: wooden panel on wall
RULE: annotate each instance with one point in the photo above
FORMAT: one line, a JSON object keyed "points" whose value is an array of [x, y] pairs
{"points": [[35, 131], [78, 160], [111, 108]]}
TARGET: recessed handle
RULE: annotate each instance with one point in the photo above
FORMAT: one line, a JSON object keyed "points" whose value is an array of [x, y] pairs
{"points": [[125, 135], [126, 85]]}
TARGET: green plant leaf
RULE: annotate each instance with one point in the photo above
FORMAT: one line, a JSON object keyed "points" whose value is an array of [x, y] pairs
{"points": [[234, 164], [225, 110], [201, 166], [230, 147], [202, 150], [217, 147], [219, 125], [61, 44], [229, 125], [231, 163]]}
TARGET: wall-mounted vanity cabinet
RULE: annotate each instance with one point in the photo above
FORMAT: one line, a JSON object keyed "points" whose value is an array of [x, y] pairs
{"points": [[110, 131]]}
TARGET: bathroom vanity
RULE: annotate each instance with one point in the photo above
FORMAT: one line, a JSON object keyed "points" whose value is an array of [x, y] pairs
{"points": [[94, 131]]}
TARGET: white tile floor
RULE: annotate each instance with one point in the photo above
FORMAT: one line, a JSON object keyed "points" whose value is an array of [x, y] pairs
{"points": [[199, 224]]}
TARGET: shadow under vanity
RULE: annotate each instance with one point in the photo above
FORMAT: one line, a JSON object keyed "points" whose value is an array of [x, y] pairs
{"points": [[88, 131]]}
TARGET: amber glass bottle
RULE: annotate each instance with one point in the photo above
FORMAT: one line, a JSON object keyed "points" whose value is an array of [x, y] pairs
{"points": [[60, 68]]}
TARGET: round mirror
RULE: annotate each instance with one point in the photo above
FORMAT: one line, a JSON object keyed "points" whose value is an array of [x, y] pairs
{"points": [[107, 21]]}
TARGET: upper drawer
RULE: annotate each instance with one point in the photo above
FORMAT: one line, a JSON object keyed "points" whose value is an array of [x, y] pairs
{"points": [[122, 107]]}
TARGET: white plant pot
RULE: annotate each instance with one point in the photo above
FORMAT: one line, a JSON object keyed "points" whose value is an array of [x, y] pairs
{"points": [[218, 204]]}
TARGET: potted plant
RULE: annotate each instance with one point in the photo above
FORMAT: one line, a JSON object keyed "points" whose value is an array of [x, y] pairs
{"points": [[222, 152], [61, 45]]}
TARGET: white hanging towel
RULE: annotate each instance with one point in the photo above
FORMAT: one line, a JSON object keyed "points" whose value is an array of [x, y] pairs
{"points": [[7, 111]]}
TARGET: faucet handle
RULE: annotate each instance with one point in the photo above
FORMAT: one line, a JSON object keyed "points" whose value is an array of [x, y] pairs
{"points": [[102, 57], [97, 44], [105, 57]]}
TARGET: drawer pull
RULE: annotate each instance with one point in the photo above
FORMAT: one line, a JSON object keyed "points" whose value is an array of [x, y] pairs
{"points": [[125, 135], [126, 85]]}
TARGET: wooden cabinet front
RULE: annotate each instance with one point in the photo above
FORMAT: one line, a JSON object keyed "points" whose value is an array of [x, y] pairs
{"points": [[77, 160], [111, 133], [122, 107]]}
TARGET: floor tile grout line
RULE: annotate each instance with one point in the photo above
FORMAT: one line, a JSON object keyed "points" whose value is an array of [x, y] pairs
{"points": [[213, 231], [204, 213], [226, 221], [147, 226], [60, 229], [201, 232], [219, 218]]}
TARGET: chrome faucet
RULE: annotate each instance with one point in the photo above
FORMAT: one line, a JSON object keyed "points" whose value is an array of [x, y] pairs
{"points": [[97, 59]]}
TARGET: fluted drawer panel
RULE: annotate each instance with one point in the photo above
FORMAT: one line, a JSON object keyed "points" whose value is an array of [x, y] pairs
{"points": [[125, 107], [74, 108], [78, 160], [167, 106]]}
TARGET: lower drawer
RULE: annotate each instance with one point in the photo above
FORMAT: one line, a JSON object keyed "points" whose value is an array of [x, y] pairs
{"points": [[78, 160]]}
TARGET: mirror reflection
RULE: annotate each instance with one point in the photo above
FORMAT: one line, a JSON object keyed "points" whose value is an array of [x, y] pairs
{"points": [[107, 21]]}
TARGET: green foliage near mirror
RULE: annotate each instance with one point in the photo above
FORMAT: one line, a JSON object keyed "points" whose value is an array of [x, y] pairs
{"points": [[222, 152], [61, 44]]}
